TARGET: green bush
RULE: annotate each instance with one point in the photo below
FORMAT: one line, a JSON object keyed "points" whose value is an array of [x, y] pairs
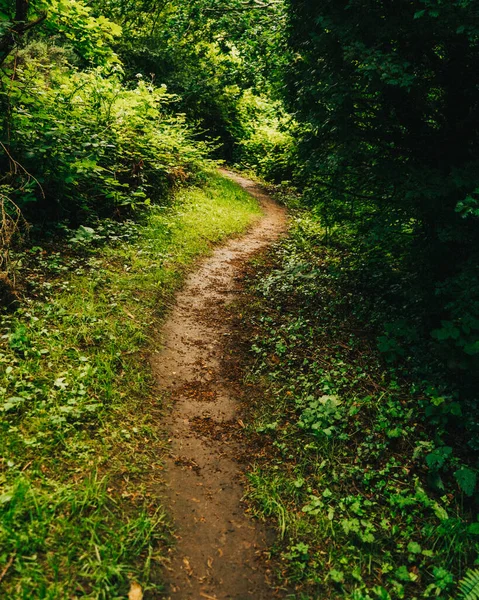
{"points": [[80, 143], [265, 142]]}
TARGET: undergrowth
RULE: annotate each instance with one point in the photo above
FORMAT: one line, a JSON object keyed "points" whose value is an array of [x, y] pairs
{"points": [[348, 457], [80, 441]]}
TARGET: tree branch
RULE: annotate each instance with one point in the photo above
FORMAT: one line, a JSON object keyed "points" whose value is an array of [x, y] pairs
{"points": [[244, 6], [344, 191]]}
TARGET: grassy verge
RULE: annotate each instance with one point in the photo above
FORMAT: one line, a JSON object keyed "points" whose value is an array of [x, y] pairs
{"points": [[341, 441], [80, 439]]}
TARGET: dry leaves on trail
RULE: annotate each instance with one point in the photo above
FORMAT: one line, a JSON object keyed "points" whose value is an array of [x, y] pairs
{"points": [[188, 568], [135, 593]]}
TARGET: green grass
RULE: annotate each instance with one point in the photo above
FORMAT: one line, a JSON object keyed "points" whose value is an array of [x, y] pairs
{"points": [[80, 427], [342, 439]]}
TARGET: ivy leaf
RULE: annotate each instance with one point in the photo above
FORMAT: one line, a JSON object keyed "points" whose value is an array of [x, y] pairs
{"points": [[448, 331], [466, 479]]}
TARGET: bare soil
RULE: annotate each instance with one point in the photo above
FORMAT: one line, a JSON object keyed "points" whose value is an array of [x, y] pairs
{"points": [[219, 547]]}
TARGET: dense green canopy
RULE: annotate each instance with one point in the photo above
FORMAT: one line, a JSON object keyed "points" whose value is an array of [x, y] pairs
{"points": [[388, 102]]}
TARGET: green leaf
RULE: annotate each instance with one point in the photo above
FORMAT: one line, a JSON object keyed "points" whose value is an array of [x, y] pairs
{"points": [[12, 402], [447, 331], [403, 574], [4, 498], [414, 548], [437, 458], [466, 479], [440, 512], [435, 481], [336, 576], [469, 586], [419, 14], [473, 529], [381, 593]]}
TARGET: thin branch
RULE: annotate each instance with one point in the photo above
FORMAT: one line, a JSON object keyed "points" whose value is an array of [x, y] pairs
{"points": [[34, 23], [12, 223], [7, 566], [343, 191], [253, 5], [17, 166]]}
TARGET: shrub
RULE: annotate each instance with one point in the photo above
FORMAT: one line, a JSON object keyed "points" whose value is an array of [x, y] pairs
{"points": [[81, 144]]}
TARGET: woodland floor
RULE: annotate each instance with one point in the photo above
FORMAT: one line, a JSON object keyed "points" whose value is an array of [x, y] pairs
{"points": [[219, 547]]}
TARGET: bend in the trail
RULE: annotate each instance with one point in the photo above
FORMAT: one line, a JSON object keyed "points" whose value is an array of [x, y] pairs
{"points": [[218, 545]]}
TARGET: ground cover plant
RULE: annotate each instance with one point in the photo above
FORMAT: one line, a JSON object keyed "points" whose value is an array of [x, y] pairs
{"points": [[80, 423], [367, 498]]}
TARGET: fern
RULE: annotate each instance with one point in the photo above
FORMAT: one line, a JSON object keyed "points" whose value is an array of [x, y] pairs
{"points": [[469, 586]]}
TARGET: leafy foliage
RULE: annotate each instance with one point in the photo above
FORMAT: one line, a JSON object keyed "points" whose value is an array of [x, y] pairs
{"points": [[86, 144], [387, 104], [90, 127], [264, 137], [70, 23], [346, 457], [469, 586], [214, 55]]}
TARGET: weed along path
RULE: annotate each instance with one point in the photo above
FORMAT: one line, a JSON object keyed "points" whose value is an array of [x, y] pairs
{"points": [[218, 546]]}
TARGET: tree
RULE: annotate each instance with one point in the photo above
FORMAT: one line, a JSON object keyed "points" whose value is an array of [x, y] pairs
{"points": [[206, 52], [387, 97], [12, 30]]}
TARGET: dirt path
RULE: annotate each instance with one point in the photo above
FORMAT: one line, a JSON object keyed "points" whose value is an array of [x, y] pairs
{"points": [[218, 545]]}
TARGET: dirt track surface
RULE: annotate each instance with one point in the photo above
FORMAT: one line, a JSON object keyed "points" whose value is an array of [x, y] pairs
{"points": [[219, 547]]}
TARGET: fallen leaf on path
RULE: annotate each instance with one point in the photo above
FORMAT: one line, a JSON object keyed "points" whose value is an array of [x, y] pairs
{"points": [[188, 568], [207, 596], [209, 562], [135, 593]]}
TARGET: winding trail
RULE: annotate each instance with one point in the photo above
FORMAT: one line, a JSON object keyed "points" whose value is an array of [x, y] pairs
{"points": [[218, 545]]}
